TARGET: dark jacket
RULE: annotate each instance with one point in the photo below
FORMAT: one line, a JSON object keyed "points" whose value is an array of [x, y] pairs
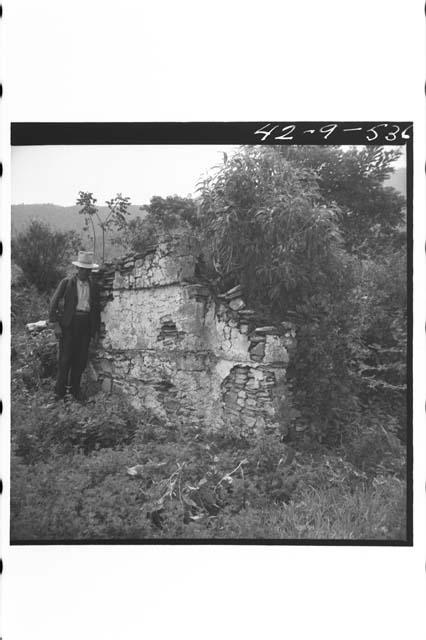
{"points": [[64, 303]]}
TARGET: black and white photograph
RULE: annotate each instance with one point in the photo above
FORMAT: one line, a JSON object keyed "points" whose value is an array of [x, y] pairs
{"points": [[212, 320], [209, 341]]}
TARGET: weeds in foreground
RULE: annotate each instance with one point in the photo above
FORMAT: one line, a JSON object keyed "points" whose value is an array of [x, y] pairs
{"points": [[127, 476]]}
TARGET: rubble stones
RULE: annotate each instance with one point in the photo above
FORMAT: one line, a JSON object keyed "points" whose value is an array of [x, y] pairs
{"points": [[235, 292], [107, 385], [236, 304], [271, 330], [257, 350], [246, 313]]}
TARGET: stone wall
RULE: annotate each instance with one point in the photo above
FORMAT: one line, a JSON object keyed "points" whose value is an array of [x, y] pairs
{"points": [[173, 345]]}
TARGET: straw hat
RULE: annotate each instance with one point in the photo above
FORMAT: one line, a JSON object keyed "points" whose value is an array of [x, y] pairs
{"points": [[85, 260]]}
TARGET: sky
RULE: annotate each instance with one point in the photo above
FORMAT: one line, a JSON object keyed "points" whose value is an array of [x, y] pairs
{"points": [[55, 174]]}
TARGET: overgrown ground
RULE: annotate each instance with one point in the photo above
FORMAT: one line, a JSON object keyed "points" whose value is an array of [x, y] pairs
{"points": [[102, 470]]}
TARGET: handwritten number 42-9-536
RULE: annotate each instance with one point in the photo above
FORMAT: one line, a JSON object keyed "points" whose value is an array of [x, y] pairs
{"points": [[327, 130]]}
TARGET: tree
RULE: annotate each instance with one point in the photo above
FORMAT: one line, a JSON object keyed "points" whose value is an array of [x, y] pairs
{"points": [[172, 211], [370, 213], [118, 209], [44, 254], [268, 228], [293, 226], [89, 210], [164, 217]]}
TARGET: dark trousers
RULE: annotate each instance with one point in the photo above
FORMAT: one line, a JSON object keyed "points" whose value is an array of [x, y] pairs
{"points": [[73, 353]]}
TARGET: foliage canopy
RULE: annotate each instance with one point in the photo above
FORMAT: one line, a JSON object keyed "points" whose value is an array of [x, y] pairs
{"points": [[163, 217], [311, 233]]}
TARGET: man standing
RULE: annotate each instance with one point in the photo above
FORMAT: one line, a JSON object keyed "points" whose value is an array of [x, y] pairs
{"points": [[74, 310]]}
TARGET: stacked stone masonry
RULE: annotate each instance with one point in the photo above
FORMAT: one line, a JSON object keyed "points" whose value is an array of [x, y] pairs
{"points": [[173, 345]]}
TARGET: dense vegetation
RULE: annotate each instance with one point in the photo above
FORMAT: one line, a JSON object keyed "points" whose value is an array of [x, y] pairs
{"points": [[44, 254], [313, 235]]}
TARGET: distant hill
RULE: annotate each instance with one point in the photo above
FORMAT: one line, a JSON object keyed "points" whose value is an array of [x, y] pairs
{"points": [[61, 218], [68, 219], [397, 180]]}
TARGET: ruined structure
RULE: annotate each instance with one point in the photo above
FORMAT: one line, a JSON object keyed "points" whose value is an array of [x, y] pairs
{"points": [[173, 345]]}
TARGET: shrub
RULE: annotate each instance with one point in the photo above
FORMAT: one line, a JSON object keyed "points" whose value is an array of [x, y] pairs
{"points": [[35, 360], [372, 445], [105, 421], [382, 359], [43, 254], [27, 305], [74, 496], [165, 217]]}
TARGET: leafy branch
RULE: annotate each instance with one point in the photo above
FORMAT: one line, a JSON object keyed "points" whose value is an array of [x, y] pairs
{"points": [[116, 217]]}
